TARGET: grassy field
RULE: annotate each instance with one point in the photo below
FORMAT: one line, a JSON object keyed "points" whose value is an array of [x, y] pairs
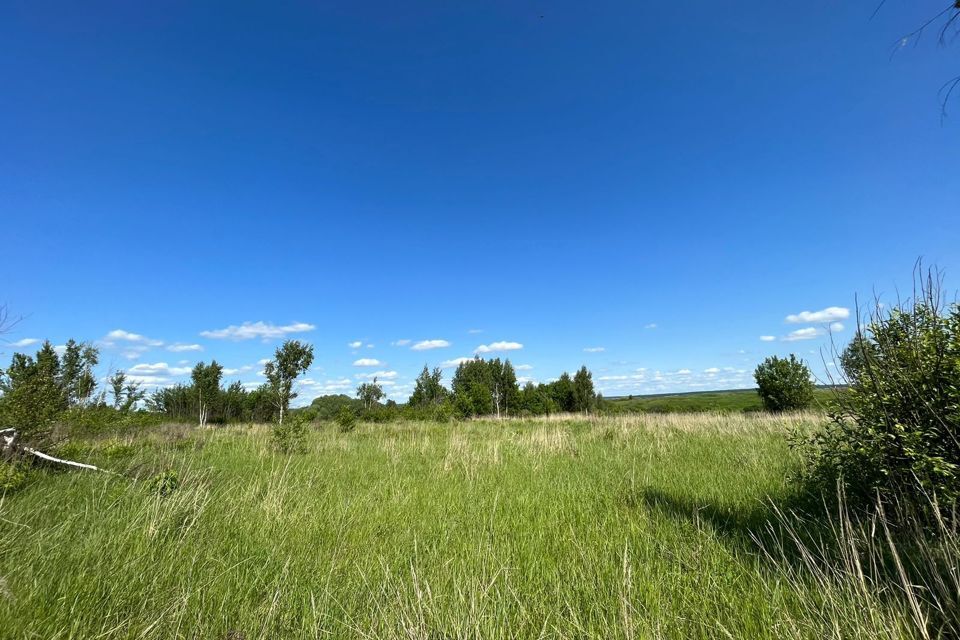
{"points": [[732, 400], [640, 526]]}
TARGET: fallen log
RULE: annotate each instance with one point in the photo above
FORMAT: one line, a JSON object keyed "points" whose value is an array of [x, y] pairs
{"points": [[11, 445]]}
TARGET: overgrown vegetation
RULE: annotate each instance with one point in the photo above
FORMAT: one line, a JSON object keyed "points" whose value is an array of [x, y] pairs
{"points": [[612, 527], [896, 432]]}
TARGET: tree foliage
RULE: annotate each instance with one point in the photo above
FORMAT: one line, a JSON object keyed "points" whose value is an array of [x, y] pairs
{"points": [[37, 390], [370, 393], [896, 430], [490, 387], [290, 360], [784, 384], [429, 390]]}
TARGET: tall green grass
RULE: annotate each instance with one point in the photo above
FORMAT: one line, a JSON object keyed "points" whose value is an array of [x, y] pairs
{"points": [[620, 527]]}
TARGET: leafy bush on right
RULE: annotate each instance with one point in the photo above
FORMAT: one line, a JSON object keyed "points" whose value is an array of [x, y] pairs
{"points": [[895, 432], [784, 384]]}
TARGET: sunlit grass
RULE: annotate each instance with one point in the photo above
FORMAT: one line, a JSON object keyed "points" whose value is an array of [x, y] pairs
{"points": [[637, 526]]}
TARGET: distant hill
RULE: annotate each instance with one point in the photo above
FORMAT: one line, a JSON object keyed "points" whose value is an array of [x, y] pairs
{"points": [[732, 400]]}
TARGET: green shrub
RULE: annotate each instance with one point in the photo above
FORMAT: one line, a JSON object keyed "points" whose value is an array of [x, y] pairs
{"points": [[291, 435], [117, 449], [442, 412], [163, 484], [345, 419], [784, 384], [12, 477], [380, 414], [896, 430]]}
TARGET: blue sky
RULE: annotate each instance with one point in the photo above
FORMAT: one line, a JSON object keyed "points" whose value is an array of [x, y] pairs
{"points": [[638, 187]]}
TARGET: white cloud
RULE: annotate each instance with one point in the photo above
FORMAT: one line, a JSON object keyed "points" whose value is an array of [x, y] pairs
{"points": [[25, 342], [456, 362], [263, 361], [594, 349], [524, 367], [367, 362], [474, 331], [424, 345], [60, 349], [233, 372], [768, 338], [127, 336], [830, 314], [157, 369], [498, 346], [400, 343], [683, 372], [711, 371], [250, 330], [802, 334], [652, 325], [148, 379], [836, 326], [612, 378], [379, 375], [356, 344], [179, 347]]}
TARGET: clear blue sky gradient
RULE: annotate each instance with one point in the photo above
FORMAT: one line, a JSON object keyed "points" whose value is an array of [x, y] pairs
{"points": [[556, 174]]}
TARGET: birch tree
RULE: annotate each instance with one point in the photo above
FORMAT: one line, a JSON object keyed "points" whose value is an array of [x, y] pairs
{"points": [[289, 361]]}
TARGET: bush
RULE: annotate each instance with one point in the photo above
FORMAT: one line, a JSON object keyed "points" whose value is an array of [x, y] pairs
{"points": [[784, 384], [896, 429], [12, 477], [163, 484], [291, 436], [380, 414], [345, 419]]}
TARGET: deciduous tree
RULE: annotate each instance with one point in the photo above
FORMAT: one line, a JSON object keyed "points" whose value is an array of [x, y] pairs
{"points": [[290, 360]]}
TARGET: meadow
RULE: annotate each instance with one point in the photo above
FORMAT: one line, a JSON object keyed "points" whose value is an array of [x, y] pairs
{"points": [[638, 526], [732, 400]]}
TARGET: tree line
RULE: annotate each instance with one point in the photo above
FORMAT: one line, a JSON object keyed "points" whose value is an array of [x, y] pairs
{"points": [[36, 392], [489, 387]]}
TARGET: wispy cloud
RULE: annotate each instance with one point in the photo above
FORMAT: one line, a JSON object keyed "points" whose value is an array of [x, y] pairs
{"points": [[25, 342], [807, 333], [232, 372], [652, 325], [768, 338], [524, 367], [128, 336], [379, 375], [400, 343], [179, 347], [425, 345], [594, 349], [251, 330], [830, 314], [367, 362], [474, 331], [455, 362], [356, 344], [157, 369], [498, 346]]}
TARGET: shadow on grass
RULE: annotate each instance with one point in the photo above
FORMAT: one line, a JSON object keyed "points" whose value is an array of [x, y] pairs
{"points": [[816, 538]]}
